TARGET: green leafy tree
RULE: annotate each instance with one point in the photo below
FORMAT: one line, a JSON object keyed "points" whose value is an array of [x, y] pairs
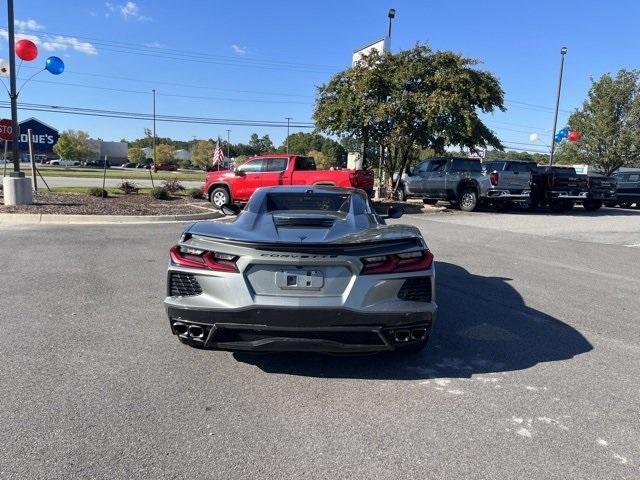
{"points": [[609, 122], [73, 145], [135, 155], [322, 161], [202, 153], [164, 154], [415, 99], [261, 145]]}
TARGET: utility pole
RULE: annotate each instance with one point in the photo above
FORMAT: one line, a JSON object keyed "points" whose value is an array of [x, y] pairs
{"points": [[391, 15], [154, 125], [228, 143], [288, 123], [15, 146], [563, 52]]}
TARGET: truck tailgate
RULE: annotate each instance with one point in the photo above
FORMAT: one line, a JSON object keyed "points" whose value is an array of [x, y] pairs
{"points": [[514, 180]]}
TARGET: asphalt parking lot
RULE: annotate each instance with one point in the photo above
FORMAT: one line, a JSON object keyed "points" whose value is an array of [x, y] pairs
{"points": [[532, 371]]}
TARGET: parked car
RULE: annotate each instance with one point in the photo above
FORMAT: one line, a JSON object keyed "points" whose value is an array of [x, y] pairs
{"points": [[65, 163], [467, 182], [144, 165], [558, 188], [600, 190], [628, 189], [129, 165], [227, 186], [302, 268], [97, 164], [169, 167]]}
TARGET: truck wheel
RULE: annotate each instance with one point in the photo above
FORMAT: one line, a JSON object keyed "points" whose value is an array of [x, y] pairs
{"points": [[401, 194], [625, 204], [592, 205], [468, 200], [568, 205], [219, 197], [610, 204]]}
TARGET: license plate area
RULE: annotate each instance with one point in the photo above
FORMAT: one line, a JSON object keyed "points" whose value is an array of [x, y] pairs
{"points": [[304, 279]]}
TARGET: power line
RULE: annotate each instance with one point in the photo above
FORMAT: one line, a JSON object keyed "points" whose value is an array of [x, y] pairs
{"points": [[161, 118]]}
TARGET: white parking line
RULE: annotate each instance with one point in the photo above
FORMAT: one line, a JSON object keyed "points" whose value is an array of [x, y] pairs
{"points": [[633, 245]]}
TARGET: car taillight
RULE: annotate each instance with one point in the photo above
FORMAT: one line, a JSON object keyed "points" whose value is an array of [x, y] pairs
{"points": [[397, 262], [494, 177], [206, 260]]}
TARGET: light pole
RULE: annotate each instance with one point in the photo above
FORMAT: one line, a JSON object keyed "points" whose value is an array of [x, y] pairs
{"points": [[288, 123], [563, 52], [15, 134], [228, 143], [391, 15], [154, 125]]}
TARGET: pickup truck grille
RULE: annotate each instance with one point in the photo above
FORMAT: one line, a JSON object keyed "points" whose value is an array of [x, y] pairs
{"points": [[416, 290], [183, 285]]}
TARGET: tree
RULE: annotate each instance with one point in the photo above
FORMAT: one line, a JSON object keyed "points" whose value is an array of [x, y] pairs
{"points": [[202, 153], [609, 122], [73, 145], [322, 161], [411, 100], [164, 154], [261, 145], [135, 155], [302, 143]]}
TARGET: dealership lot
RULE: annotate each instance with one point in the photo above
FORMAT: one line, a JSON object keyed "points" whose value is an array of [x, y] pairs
{"points": [[532, 371]]}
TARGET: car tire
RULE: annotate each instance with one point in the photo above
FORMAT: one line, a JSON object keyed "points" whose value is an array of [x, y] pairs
{"points": [[568, 205], [625, 204], [219, 196], [468, 200], [592, 205], [401, 194], [610, 204], [557, 206]]}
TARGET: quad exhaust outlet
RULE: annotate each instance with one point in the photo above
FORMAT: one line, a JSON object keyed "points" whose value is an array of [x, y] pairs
{"points": [[403, 336]]}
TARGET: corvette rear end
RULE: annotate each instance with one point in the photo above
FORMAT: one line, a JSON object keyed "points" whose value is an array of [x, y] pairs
{"points": [[326, 275]]}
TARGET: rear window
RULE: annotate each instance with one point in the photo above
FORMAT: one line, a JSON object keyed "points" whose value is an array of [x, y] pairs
{"points": [[305, 163], [466, 165], [521, 167], [326, 202], [634, 177]]}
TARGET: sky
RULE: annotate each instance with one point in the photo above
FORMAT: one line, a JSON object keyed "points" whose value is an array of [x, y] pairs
{"points": [[262, 60]]}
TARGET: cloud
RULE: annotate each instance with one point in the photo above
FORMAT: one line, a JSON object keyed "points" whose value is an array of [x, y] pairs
{"points": [[131, 11], [154, 45], [59, 42], [239, 50], [29, 24], [19, 36]]}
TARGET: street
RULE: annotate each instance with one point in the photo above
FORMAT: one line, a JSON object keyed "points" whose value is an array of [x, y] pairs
{"points": [[532, 371]]}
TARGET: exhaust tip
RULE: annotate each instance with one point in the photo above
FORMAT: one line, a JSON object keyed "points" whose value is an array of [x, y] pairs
{"points": [[196, 332], [418, 333], [179, 328], [402, 336]]}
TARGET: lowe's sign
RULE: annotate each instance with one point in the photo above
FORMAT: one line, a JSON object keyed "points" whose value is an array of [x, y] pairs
{"points": [[43, 136]]}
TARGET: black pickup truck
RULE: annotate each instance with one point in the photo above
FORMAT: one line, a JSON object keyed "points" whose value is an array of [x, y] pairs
{"points": [[558, 188], [601, 190], [628, 189]]}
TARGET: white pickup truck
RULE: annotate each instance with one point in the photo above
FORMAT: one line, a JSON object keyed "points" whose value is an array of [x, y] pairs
{"points": [[65, 163]]}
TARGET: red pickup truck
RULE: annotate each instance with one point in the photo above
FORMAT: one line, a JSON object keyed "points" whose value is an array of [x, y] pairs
{"points": [[226, 186]]}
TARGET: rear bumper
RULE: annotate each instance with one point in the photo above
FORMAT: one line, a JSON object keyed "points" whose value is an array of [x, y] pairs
{"points": [[521, 195], [286, 329], [568, 195]]}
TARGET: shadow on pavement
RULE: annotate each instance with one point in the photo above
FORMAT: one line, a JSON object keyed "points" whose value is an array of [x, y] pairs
{"points": [[483, 326]]}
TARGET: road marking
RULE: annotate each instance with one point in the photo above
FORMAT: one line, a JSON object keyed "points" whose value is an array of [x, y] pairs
{"points": [[633, 245]]}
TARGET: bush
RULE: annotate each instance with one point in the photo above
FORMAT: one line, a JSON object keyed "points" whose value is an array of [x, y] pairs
{"points": [[128, 187], [97, 192], [160, 193], [172, 185], [195, 193]]}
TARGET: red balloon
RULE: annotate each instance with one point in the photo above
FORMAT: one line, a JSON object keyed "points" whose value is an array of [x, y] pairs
{"points": [[26, 50], [574, 136]]}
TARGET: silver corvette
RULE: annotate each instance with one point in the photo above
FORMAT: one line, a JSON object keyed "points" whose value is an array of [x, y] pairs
{"points": [[302, 269]]}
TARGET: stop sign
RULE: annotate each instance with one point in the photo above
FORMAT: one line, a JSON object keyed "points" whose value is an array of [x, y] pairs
{"points": [[6, 131]]}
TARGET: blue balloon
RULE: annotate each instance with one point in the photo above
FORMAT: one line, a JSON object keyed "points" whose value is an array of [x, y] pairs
{"points": [[558, 138], [564, 133], [54, 65]]}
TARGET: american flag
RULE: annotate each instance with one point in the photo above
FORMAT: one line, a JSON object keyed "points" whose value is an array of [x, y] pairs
{"points": [[218, 154]]}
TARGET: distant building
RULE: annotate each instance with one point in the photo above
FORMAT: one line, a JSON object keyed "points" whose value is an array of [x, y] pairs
{"points": [[116, 152], [182, 155]]}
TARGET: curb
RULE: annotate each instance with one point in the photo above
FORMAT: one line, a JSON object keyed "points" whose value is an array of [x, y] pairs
{"points": [[53, 219]]}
